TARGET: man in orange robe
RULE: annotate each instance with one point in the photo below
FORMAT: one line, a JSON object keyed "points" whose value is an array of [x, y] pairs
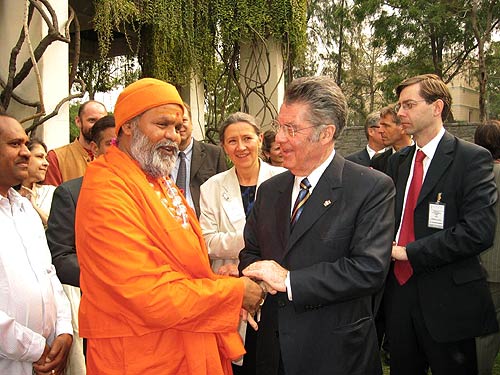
{"points": [[150, 303]]}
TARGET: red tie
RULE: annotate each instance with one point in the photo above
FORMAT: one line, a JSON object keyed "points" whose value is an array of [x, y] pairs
{"points": [[402, 268]]}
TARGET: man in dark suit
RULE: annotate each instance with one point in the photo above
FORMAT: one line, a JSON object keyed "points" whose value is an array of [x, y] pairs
{"points": [[60, 235], [325, 257], [375, 143], [202, 161], [436, 296], [393, 136], [61, 224]]}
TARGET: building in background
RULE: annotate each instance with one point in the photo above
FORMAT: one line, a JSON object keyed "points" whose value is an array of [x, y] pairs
{"points": [[465, 95]]}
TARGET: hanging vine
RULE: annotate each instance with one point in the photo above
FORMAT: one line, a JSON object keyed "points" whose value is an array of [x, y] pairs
{"points": [[180, 37]]}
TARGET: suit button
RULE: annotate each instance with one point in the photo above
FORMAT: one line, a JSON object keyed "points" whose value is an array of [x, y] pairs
{"points": [[281, 303]]}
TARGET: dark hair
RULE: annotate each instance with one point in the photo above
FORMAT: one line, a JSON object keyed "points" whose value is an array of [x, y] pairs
{"points": [[269, 139], [325, 99], [81, 109], [100, 125], [488, 136], [237, 117], [432, 88], [34, 142]]}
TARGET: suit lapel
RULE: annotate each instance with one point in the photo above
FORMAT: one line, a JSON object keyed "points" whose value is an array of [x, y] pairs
{"points": [[404, 165], [197, 158], [439, 164], [283, 205], [324, 197], [232, 204]]}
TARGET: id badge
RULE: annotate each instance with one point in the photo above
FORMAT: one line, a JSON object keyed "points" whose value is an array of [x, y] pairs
{"points": [[436, 214]]}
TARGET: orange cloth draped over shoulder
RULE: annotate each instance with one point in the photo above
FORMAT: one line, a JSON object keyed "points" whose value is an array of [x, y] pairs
{"points": [[151, 303]]}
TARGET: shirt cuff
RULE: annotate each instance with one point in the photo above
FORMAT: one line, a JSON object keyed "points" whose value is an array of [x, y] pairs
{"points": [[288, 286]]}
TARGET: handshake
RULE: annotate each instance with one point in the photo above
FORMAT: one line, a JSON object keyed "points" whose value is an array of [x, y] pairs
{"points": [[270, 278]]}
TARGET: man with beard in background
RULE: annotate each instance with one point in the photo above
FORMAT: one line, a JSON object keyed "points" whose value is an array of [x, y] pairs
{"points": [[150, 302], [70, 161]]}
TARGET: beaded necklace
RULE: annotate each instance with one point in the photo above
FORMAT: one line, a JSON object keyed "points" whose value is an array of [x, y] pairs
{"points": [[171, 200]]}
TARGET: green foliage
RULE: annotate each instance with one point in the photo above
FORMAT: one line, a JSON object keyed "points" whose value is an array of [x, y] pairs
{"points": [[180, 37], [421, 35], [74, 132], [493, 86]]}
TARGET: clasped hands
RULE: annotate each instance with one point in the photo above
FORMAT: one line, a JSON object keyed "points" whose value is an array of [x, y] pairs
{"points": [[270, 278], [53, 359]]}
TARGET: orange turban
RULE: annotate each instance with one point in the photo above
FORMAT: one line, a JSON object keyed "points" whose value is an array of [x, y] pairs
{"points": [[142, 95]]}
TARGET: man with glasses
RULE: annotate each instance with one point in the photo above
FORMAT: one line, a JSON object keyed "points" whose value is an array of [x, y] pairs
{"points": [[375, 143], [436, 297], [325, 256]]}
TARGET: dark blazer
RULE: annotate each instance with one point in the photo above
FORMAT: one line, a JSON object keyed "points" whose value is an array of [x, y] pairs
{"points": [[61, 231], [379, 161], [360, 157], [206, 161], [452, 289], [338, 255]]}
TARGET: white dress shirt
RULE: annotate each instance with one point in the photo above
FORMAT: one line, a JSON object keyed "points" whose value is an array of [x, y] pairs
{"points": [[372, 152], [313, 179], [33, 306], [429, 150]]}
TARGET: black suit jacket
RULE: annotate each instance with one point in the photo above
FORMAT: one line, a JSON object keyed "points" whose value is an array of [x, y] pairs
{"points": [[379, 161], [452, 290], [206, 161], [61, 231], [360, 157], [338, 255]]}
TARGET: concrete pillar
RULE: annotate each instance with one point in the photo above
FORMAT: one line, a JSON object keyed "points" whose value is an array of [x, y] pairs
{"points": [[262, 80], [53, 68], [194, 95]]}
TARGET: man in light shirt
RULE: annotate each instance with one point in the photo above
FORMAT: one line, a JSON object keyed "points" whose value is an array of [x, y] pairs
{"points": [[35, 316]]}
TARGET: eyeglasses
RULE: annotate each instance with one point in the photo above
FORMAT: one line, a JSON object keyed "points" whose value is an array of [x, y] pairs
{"points": [[407, 105], [288, 129]]}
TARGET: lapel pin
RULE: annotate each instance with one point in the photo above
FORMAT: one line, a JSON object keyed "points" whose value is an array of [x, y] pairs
{"points": [[327, 203], [225, 196]]}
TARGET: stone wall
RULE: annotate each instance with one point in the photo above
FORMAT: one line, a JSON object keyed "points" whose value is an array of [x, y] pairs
{"points": [[353, 138]]}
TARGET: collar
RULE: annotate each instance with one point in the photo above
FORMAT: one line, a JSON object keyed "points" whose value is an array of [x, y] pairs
{"points": [[430, 148], [189, 149], [316, 174]]}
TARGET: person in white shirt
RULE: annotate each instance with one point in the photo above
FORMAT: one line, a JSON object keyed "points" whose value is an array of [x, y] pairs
{"points": [[35, 316]]}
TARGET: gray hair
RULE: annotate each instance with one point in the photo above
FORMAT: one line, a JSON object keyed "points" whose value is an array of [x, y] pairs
{"points": [[371, 121], [237, 117], [325, 99]]}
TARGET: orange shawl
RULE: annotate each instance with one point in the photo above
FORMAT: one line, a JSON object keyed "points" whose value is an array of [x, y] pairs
{"points": [[147, 280]]}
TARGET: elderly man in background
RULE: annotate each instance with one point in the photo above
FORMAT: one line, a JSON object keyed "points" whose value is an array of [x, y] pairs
{"points": [[151, 303], [35, 316], [375, 143]]}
